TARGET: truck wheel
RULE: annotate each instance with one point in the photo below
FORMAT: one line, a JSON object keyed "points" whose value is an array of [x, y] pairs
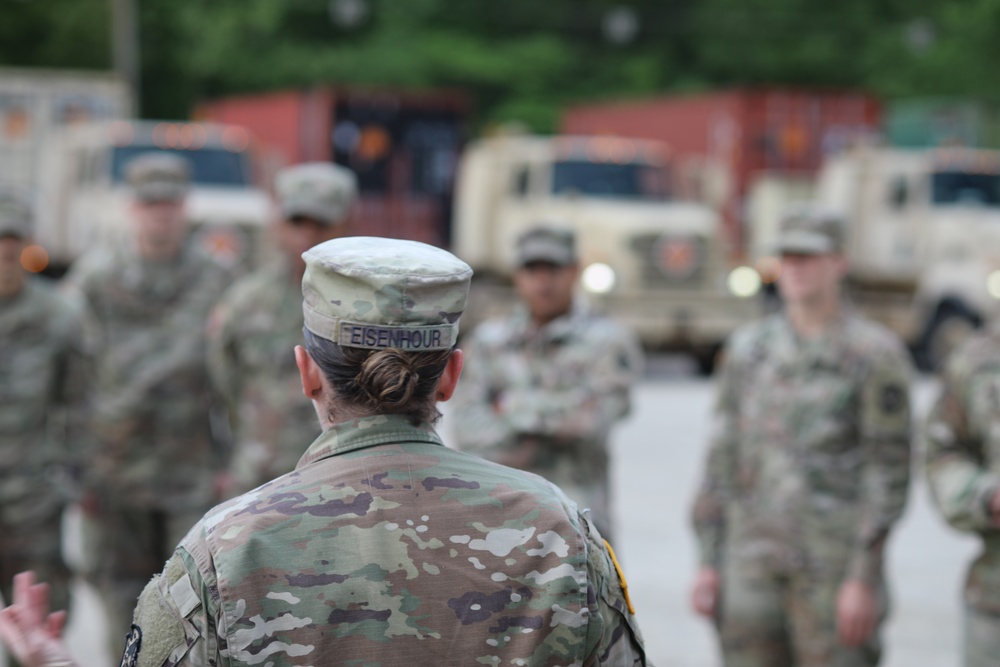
{"points": [[949, 328]]}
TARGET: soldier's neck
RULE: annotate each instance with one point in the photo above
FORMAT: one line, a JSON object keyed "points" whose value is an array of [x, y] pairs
{"points": [[811, 319], [159, 252], [11, 286]]}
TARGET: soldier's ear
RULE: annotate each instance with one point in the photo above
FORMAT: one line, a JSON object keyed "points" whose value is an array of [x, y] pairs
{"points": [[449, 378], [309, 372]]}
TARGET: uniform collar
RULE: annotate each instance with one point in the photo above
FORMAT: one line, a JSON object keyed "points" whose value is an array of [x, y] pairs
{"points": [[367, 432], [825, 349]]}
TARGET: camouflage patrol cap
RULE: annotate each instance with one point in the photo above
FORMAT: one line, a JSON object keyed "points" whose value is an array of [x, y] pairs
{"points": [[547, 243], [158, 176], [15, 216], [377, 293], [809, 230], [318, 190]]}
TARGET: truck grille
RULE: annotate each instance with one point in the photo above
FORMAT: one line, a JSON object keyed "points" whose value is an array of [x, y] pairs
{"points": [[667, 260]]}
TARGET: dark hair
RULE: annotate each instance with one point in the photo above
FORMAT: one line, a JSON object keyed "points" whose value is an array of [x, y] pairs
{"points": [[388, 381]]}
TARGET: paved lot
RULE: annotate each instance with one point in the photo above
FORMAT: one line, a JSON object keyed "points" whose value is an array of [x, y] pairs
{"points": [[658, 458]]}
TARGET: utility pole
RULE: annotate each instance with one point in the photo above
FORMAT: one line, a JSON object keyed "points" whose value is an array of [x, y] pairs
{"points": [[125, 47]]}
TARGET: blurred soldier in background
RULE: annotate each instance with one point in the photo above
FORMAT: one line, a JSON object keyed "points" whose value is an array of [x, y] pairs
{"points": [[544, 386], [259, 320], [963, 467], [153, 471], [40, 396], [807, 471]]}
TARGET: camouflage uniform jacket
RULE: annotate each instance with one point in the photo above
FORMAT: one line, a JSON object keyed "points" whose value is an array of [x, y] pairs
{"points": [[809, 462], [963, 457], [42, 373], [384, 547], [146, 325], [563, 385], [253, 331]]}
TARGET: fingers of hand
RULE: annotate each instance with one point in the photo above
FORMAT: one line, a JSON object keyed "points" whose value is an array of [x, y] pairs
{"points": [[704, 595], [56, 624], [855, 616]]}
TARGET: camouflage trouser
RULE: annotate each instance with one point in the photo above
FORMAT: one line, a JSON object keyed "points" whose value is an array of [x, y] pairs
{"points": [[982, 638], [785, 620], [130, 546]]}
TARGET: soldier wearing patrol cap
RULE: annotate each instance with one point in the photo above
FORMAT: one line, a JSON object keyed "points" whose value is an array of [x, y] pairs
{"points": [[383, 547], [545, 384], [42, 373], [807, 470], [154, 465], [258, 321]]}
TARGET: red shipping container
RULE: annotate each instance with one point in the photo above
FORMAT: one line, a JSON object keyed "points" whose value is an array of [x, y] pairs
{"points": [[745, 132], [403, 146]]}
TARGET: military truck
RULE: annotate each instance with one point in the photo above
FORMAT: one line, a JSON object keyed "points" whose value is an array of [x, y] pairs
{"points": [[83, 198], [923, 239], [648, 258]]}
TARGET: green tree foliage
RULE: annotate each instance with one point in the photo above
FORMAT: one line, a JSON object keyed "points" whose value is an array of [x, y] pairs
{"points": [[522, 59]]}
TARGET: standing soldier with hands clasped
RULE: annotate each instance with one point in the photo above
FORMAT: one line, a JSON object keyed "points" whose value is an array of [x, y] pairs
{"points": [[545, 385], [41, 391], [807, 471], [963, 468], [259, 320], [153, 471]]}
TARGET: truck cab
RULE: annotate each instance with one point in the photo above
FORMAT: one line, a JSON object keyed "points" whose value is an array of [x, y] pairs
{"points": [[84, 197], [651, 260], [927, 222], [923, 239]]}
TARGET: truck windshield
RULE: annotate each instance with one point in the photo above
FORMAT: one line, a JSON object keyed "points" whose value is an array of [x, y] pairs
{"points": [[209, 166], [960, 187], [633, 180]]}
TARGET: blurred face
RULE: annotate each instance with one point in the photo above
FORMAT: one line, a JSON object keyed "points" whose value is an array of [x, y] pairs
{"points": [[11, 273], [299, 233], [160, 226], [546, 289], [807, 279]]}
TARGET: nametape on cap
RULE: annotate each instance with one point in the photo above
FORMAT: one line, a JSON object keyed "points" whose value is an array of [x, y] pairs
{"points": [[413, 339]]}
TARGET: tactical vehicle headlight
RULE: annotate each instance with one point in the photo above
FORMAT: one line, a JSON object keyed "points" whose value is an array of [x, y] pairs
{"points": [[598, 278], [993, 284], [743, 282]]}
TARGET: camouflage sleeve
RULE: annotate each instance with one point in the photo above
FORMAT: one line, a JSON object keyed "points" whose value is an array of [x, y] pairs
{"points": [[613, 637], [885, 477], [222, 354], [961, 486], [80, 372], [708, 513], [75, 380], [174, 622], [586, 409], [479, 427]]}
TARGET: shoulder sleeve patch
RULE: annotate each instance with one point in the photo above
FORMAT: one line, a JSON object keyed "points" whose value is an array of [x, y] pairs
{"points": [[893, 398], [133, 644]]}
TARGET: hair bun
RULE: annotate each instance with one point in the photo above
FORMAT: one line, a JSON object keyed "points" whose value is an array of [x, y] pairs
{"points": [[389, 378]]}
